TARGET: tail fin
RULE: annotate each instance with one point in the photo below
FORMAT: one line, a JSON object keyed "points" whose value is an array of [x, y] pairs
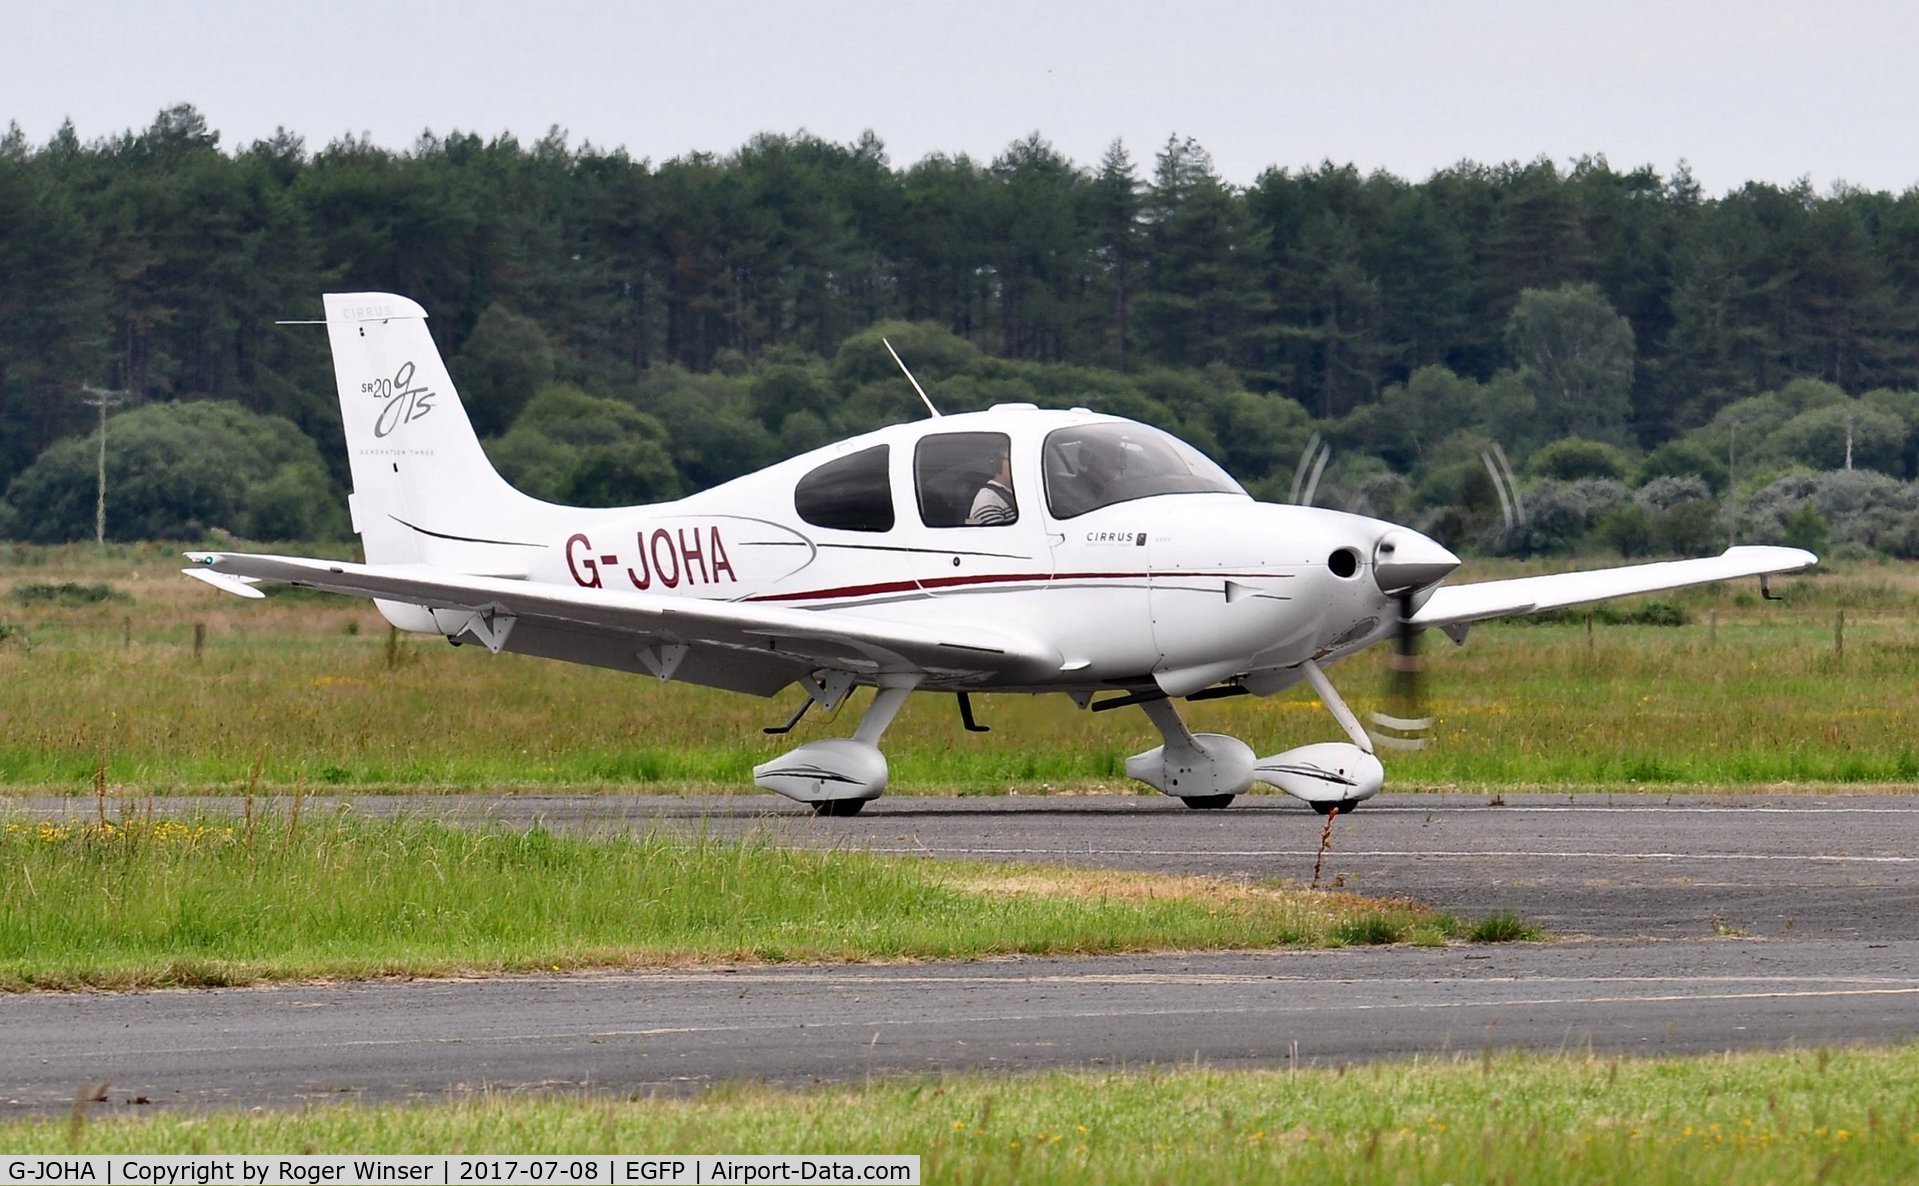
{"points": [[423, 490]]}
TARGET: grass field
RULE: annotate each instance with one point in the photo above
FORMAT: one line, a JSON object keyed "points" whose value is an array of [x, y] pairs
{"points": [[1806, 1116], [125, 900], [313, 689], [104, 691]]}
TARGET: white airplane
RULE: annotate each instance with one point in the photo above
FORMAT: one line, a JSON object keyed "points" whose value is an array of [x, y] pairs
{"points": [[1011, 550]]}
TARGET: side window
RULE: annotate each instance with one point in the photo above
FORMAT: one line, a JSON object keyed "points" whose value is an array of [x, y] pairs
{"points": [[965, 479], [848, 493]]}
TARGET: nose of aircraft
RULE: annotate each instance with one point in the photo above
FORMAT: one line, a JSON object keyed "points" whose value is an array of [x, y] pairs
{"points": [[1404, 560]]}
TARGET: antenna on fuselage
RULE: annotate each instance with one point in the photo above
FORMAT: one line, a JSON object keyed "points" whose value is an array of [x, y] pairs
{"points": [[910, 379]]}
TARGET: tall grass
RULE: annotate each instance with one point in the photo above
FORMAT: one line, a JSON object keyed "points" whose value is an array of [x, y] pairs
{"points": [[1805, 1116], [1750, 692], [134, 902]]}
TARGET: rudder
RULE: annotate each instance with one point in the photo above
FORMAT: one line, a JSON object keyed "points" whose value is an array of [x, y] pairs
{"points": [[423, 489]]}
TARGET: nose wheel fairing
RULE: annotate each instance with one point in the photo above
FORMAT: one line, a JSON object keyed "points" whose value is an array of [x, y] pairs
{"points": [[1327, 772]]}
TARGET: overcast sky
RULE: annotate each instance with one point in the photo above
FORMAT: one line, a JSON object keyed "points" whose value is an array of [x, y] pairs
{"points": [[1756, 90]]}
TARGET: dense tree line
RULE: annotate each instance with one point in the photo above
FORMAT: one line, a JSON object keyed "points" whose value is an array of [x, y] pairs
{"points": [[624, 328]]}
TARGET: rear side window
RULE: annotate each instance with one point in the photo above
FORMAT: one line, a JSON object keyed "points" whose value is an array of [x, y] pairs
{"points": [[850, 493]]}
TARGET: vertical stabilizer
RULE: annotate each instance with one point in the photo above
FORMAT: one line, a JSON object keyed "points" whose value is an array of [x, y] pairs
{"points": [[423, 490]]}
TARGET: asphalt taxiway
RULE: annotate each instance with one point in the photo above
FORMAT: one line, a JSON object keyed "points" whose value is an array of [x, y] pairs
{"points": [[1685, 925]]}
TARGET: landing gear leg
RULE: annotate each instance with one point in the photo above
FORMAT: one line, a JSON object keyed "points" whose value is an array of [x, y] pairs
{"points": [[1204, 770], [886, 705]]}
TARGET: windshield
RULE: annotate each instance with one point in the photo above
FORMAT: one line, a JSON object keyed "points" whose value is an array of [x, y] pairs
{"points": [[1097, 465]]}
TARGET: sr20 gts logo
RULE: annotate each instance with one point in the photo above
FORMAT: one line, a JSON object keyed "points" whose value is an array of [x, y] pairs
{"points": [[404, 401]]}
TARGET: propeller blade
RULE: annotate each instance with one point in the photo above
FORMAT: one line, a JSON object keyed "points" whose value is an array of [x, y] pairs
{"points": [[1408, 726]]}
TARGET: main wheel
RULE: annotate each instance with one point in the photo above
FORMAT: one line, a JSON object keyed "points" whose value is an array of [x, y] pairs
{"points": [[836, 808], [1207, 802]]}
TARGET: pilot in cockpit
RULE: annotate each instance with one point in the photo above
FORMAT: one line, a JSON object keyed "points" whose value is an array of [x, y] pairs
{"points": [[1101, 464], [994, 503]]}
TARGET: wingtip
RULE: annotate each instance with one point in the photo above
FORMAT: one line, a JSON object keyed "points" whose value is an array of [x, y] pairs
{"points": [[1786, 559]]}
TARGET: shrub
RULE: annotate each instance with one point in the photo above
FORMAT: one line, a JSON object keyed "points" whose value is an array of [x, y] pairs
{"points": [[1685, 459], [1573, 458], [1558, 515], [1663, 493], [1367, 931], [1688, 529], [1627, 530], [175, 471], [1859, 507], [1807, 528], [67, 593], [1819, 438], [1607, 613]]}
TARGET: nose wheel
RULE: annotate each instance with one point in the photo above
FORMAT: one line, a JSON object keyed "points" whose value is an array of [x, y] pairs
{"points": [[837, 808]]}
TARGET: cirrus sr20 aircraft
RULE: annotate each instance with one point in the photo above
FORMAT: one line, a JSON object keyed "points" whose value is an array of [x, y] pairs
{"points": [[1011, 550]]}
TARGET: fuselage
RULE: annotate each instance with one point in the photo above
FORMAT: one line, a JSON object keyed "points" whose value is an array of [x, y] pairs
{"points": [[1151, 567]]}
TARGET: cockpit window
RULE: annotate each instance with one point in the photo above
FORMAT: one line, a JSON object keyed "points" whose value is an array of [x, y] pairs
{"points": [[965, 479], [850, 493], [1097, 465]]}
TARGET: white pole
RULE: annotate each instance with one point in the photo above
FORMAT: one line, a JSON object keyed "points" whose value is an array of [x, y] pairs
{"points": [[102, 398]]}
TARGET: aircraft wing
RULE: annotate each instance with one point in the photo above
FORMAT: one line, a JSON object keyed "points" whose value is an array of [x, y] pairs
{"points": [[1457, 605], [744, 646]]}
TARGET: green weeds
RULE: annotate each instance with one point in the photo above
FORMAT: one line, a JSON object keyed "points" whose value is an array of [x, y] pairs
{"points": [[1503, 928], [1631, 613], [65, 593], [1369, 930], [1841, 1116], [318, 689], [136, 901]]}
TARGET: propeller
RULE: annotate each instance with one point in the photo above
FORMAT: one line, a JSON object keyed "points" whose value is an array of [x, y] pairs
{"points": [[1408, 725], [1405, 564]]}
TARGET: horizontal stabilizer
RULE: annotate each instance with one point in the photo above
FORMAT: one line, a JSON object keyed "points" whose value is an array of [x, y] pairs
{"points": [[226, 582]]}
